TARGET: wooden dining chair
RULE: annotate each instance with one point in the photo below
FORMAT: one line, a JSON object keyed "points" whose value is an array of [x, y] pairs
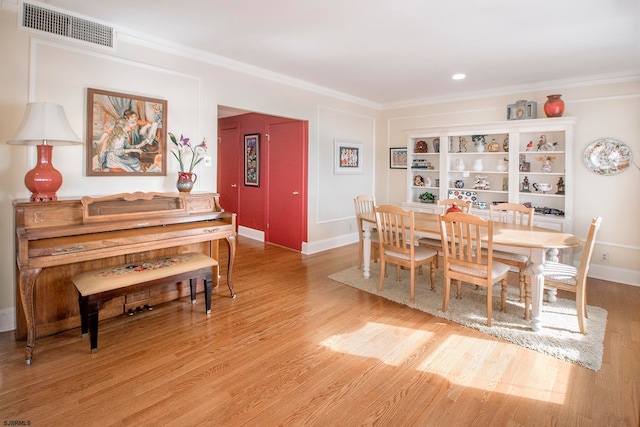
{"points": [[365, 204], [463, 236], [569, 278], [434, 242], [513, 213], [396, 233]]}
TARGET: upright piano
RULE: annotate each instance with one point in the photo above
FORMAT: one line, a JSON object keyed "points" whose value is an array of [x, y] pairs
{"points": [[57, 240]]}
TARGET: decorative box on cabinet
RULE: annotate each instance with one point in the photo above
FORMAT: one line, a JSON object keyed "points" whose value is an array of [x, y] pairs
{"points": [[512, 150]]}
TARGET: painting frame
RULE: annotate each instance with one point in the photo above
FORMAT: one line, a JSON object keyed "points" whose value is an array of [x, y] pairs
{"points": [[348, 157], [398, 157], [252, 160], [126, 134]]}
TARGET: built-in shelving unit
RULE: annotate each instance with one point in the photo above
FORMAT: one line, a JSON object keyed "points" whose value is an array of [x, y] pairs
{"points": [[496, 162]]}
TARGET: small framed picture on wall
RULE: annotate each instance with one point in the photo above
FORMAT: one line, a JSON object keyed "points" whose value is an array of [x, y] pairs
{"points": [[252, 160], [398, 158], [348, 157]]}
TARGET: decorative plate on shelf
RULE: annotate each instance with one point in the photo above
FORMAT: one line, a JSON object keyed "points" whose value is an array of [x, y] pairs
{"points": [[467, 196], [607, 156]]}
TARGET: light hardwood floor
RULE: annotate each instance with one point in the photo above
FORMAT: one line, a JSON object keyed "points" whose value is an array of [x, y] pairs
{"points": [[296, 348]]}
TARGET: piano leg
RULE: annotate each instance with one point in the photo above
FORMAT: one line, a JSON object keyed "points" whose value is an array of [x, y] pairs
{"points": [[231, 241], [27, 285]]}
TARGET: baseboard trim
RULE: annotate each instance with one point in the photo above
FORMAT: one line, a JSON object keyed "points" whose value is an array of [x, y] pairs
{"points": [[7, 319], [325, 245], [251, 233], [613, 274]]}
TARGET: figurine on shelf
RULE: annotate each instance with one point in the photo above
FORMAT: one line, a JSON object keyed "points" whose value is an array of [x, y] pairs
{"points": [[529, 146], [542, 141], [560, 185], [543, 145], [546, 163], [463, 144], [505, 184], [481, 183], [525, 185], [480, 142], [418, 181]]}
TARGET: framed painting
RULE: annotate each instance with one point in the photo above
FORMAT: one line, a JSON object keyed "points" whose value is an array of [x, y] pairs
{"points": [[348, 157], [252, 160], [398, 158], [126, 134]]}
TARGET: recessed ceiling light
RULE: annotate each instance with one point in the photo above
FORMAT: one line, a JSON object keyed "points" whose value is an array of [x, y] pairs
{"points": [[458, 76]]}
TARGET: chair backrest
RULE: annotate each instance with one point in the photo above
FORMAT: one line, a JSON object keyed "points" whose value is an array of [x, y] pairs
{"points": [[445, 204], [463, 236], [363, 204], [395, 227], [588, 250], [513, 213]]}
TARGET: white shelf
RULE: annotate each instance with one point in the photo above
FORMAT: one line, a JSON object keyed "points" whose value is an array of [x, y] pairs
{"points": [[558, 132]]}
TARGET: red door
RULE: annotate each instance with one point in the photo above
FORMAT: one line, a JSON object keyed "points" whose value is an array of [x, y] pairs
{"points": [[229, 147], [287, 189]]}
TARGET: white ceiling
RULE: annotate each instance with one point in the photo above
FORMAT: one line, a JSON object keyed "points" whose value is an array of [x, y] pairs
{"points": [[391, 52]]}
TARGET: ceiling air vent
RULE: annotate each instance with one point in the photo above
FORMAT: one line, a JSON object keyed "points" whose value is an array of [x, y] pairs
{"points": [[62, 24]]}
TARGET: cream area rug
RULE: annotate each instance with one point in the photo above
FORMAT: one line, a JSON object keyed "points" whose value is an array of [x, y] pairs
{"points": [[560, 336]]}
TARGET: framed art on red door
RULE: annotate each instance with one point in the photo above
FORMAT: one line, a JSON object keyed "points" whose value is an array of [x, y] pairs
{"points": [[252, 160]]}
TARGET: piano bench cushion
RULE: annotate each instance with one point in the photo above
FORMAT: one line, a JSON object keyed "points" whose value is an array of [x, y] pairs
{"points": [[120, 276]]}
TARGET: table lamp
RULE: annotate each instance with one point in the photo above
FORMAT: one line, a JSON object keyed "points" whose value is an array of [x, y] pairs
{"points": [[44, 125]]}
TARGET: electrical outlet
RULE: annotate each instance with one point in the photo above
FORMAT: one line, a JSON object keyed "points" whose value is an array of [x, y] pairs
{"points": [[604, 257], [207, 161]]}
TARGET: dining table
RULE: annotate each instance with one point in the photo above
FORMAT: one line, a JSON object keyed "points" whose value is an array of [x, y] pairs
{"points": [[533, 241]]}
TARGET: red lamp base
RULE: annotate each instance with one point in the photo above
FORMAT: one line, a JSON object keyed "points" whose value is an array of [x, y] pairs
{"points": [[44, 180]]}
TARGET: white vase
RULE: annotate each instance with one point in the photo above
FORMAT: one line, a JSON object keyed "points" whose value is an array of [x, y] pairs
{"points": [[478, 165], [502, 166], [459, 165], [480, 148]]}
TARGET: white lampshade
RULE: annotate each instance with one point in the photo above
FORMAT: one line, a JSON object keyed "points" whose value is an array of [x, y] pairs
{"points": [[44, 123]]}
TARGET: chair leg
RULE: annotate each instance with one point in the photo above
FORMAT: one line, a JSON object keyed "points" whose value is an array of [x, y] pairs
{"points": [[432, 273], [489, 304], [412, 297], [503, 296], [383, 267], [361, 256], [581, 309], [527, 301], [522, 286], [447, 291]]}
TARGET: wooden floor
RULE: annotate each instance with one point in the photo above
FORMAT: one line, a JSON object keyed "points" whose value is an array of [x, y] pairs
{"points": [[296, 348]]}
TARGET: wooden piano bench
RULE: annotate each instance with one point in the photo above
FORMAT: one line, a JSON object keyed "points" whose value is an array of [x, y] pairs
{"points": [[97, 286]]}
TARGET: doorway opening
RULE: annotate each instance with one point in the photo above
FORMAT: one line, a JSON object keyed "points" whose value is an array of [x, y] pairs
{"points": [[271, 206]]}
